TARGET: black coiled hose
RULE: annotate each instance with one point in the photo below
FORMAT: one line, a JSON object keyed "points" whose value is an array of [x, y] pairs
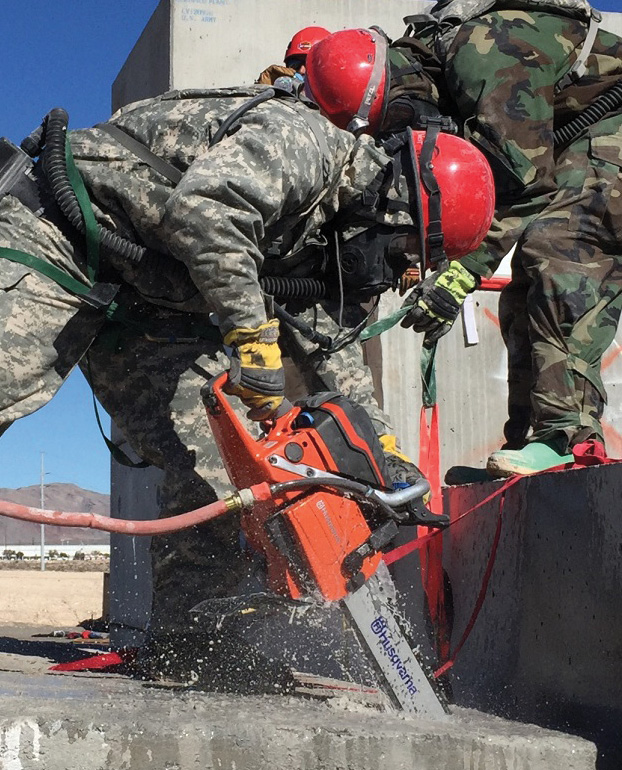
{"points": [[55, 168], [293, 288], [607, 102]]}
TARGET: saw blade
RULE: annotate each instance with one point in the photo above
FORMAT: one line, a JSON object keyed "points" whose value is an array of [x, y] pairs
{"points": [[408, 684]]}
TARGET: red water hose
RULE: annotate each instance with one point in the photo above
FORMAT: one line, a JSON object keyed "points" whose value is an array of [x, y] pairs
{"points": [[259, 492]]}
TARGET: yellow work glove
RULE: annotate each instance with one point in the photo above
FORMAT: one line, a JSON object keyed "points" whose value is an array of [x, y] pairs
{"points": [[436, 302], [256, 375], [402, 469]]}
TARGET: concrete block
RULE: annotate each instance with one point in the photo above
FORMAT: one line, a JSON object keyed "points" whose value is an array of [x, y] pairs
{"points": [[133, 495], [546, 645]]}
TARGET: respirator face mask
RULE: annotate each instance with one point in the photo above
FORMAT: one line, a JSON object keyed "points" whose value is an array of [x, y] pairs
{"points": [[373, 261]]}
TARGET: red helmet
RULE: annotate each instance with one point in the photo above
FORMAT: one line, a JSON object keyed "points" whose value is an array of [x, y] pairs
{"points": [[347, 77], [466, 191], [304, 40]]}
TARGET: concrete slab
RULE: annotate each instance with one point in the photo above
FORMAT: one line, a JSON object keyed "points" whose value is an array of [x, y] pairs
{"points": [[108, 722], [95, 723]]}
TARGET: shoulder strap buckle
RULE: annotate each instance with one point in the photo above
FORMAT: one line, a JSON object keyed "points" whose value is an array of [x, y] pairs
{"points": [[579, 68], [101, 295]]}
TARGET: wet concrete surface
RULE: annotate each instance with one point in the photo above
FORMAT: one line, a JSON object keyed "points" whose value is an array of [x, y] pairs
{"points": [[92, 721]]}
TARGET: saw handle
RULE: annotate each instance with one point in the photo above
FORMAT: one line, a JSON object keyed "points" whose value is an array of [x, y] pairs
{"points": [[217, 403]]}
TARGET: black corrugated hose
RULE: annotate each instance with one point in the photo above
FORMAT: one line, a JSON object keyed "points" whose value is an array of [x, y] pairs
{"points": [[55, 168], [610, 101], [53, 134]]}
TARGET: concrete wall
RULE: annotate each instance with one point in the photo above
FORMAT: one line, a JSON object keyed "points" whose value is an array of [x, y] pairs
{"points": [[205, 43], [613, 22], [147, 70]]}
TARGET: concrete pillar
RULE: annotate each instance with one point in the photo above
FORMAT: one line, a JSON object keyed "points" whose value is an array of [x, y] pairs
{"points": [[214, 43], [133, 495]]}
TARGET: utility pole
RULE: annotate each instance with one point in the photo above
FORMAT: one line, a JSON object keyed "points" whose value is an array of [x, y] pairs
{"points": [[42, 501]]}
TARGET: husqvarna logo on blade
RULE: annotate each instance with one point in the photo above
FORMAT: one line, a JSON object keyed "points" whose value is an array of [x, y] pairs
{"points": [[380, 628]]}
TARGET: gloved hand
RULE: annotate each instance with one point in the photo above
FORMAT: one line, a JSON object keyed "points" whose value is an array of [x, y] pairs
{"points": [[256, 374], [402, 469], [436, 302], [274, 71]]}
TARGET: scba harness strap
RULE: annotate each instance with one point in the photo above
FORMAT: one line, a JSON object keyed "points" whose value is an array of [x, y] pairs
{"points": [[419, 171]]}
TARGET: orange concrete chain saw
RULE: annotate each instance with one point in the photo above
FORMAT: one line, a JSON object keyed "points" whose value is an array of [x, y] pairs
{"points": [[331, 512]]}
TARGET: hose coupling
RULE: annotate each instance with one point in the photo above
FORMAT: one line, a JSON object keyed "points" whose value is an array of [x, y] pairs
{"points": [[239, 501]]}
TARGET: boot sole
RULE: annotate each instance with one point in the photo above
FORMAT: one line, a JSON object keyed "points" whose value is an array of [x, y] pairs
{"points": [[502, 470]]}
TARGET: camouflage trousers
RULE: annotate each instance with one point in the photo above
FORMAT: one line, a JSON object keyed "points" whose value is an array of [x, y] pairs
{"points": [[561, 309], [150, 386]]}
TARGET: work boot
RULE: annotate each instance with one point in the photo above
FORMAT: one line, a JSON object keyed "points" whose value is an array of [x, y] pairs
{"points": [[534, 457], [465, 474]]}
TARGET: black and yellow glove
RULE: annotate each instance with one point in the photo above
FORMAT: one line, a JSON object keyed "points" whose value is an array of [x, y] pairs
{"points": [[436, 302], [256, 375], [402, 469]]}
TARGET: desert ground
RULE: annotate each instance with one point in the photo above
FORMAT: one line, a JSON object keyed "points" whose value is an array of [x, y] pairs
{"points": [[50, 598]]}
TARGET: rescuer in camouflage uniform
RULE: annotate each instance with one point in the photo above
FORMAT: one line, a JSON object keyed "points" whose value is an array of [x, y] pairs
{"points": [[283, 174], [295, 56], [560, 202]]}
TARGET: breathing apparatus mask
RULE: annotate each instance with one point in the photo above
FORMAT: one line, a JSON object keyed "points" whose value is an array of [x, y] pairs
{"points": [[443, 183], [381, 234]]}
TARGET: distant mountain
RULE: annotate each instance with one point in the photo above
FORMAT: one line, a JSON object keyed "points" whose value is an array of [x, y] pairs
{"points": [[57, 497]]}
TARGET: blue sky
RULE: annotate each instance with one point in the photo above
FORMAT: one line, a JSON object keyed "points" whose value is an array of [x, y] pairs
{"points": [[67, 54], [63, 54]]}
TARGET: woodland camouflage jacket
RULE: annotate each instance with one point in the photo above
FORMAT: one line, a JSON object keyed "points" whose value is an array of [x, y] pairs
{"points": [[499, 80]]}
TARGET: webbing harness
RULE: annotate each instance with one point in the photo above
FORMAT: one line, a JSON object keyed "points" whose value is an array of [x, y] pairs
{"points": [[403, 69], [431, 242], [97, 295], [429, 461]]}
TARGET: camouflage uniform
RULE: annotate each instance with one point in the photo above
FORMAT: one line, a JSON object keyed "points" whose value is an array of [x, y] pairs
{"points": [[277, 180], [562, 206]]}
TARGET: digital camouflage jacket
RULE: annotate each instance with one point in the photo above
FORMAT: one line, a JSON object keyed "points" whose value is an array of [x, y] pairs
{"points": [[278, 178]]}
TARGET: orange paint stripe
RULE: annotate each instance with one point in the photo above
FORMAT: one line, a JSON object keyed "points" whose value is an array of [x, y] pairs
{"points": [[611, 356], [492, 317], [613, 439]]}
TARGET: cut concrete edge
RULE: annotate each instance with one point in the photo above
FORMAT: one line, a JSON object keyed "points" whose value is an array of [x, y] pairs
{"points": [[147, 730]]}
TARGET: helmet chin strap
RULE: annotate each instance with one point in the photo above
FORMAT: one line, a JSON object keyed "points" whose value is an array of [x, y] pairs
{"points": [[361, 120], [435, 238], [417, 205]]}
